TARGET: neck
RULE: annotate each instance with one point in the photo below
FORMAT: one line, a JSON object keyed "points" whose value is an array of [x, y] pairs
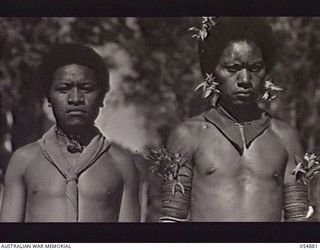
{"points": [[83, 136], [243, 113]]}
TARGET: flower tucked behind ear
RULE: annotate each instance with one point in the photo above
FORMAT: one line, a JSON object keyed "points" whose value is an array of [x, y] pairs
{"points": [[209, 87], [203, 32], [270, 89]]}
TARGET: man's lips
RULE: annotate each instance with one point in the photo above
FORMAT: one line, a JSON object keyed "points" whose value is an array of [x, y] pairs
{"points": [[76, 111], [244, 93]]}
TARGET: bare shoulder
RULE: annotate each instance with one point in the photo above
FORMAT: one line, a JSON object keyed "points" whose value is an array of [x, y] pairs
{"points": [[123, 158], [288, 136], [120, 154], [28, 151], [190, 128], [22, 157], [184, 138], [283, 130]]}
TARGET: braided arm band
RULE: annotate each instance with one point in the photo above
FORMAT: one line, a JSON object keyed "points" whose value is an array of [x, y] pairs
{"points": [[175, 206], [171, 219], [296, 204], [176, 198]]}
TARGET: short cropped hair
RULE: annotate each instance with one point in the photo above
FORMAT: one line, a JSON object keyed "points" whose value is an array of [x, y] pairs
{"points": [[231, 29], [70, 53]]}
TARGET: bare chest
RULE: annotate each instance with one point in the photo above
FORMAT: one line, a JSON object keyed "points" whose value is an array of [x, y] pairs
{"points": [[216, 157], [100, 180]]}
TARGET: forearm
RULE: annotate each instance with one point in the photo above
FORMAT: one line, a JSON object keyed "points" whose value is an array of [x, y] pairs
{"points": [[299, 193], [175, 165], [176, 196], [296, 202], [175, 201], [130, 208], [315, 197], [12, 209]]}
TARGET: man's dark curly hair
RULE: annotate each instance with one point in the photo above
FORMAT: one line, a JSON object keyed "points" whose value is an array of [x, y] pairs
{"points": [[230, 29], [70, 53]]}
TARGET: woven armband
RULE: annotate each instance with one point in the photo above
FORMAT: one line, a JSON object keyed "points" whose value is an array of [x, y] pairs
{"points": [[176, 171], [175, 204], [296, 202]]}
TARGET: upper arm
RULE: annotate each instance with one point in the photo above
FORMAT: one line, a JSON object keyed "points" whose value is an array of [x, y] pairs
{"points": [[291, 141], [295, 154], [181, 140], [314, 195], [13, 206], [130, 207]]}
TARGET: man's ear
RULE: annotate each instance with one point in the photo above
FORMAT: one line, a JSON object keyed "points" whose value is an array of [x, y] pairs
{"points": [[101, 105], [49, 102]]}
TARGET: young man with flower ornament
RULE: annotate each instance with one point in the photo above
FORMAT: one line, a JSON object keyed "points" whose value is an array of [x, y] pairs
{"points": [[234, 162]]}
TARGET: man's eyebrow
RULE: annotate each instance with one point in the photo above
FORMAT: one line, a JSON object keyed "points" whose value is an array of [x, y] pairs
{"points": [[64, 82], [259, 61], [236, 63], [231, 63], [86, 82]]}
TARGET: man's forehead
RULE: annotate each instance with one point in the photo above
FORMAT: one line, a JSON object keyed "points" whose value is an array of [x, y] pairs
{"points": [[242, 50], [74, 70]]}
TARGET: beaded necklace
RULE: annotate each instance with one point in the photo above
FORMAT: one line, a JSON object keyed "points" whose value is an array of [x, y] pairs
{"points": [[73, 145]]}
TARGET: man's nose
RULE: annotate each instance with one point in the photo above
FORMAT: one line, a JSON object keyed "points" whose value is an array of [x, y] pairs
{"points": [[244, 79], [76, 97]]}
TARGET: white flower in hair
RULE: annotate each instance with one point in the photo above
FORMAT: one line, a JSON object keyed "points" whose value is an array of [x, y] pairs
{"points": [[203, 32]]}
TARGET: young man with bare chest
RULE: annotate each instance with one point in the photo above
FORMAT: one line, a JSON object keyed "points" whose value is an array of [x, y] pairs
{"points": [[237, 157], [73, 173]]}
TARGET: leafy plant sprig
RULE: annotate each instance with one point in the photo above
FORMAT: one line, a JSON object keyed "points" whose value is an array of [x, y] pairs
{"points": [[270, 91], [168, 166], [209, 86], [203, 32], [307, 169]]}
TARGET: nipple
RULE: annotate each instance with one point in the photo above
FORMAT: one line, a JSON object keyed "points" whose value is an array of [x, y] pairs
{"points": [[210, 171]]}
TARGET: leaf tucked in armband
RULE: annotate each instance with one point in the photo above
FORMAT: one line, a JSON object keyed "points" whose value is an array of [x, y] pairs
{"points": [[307, 169], [168, 166]]}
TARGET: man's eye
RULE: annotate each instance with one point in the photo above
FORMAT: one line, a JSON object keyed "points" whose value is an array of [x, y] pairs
{"points": [[232, 69], [256, 68], [63, 89], [88, 88]]}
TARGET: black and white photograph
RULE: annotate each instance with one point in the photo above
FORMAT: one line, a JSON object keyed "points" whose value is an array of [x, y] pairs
{"points": [[159, 119]]}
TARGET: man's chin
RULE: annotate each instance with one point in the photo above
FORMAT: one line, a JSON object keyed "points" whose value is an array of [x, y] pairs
{"points": [[244, 101], [76, 126]]}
